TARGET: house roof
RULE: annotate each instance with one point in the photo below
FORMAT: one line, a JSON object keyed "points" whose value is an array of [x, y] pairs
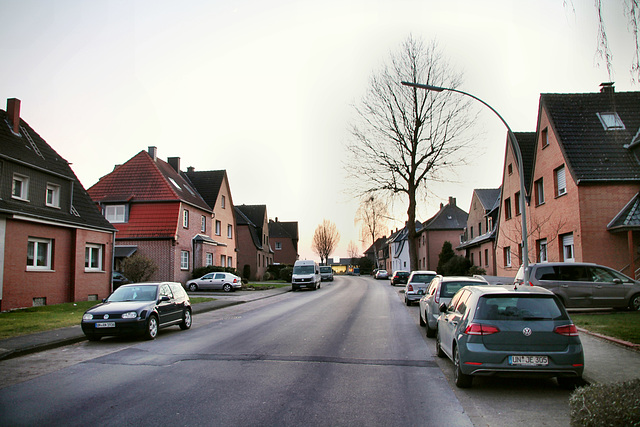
{"points": [[151, 221], [33, 152], [251, 215], [527, 144], [449, 217], [628, 218], [208, 184], [488, 197], [287, 229], [592, 153]]}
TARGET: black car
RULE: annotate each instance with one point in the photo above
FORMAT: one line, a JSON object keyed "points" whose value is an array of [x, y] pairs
{"points": [[138, 309], [399, 277]]}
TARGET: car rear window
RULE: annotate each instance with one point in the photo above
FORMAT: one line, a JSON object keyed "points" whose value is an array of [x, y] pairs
{"points": [[449, 289], [520, 307], [422, 278], [402, 274]]}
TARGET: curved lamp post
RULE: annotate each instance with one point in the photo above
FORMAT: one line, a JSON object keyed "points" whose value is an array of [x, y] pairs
{"points": [[518, 154]]}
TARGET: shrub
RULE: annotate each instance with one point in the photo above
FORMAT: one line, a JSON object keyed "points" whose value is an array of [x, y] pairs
{"points": [[616, 404], [446, 254], [456, 266], [286, 273], [138, 268], [266, 277], [201, 271], [365, 264], [476, 270], [246, 271]]}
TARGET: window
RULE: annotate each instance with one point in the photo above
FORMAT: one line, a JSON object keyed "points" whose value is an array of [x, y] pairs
{"points": [[114, 213], [278, 246], [479, 229], [53, 196], [39, 253], [471, 232], [541, 249], [561, 182], [184, 260], [539, 190], [567, 248], [510, 169], [203, 224], [517, 203], [222, 202], [209, 258], [229, 231], [223, 260], [507, 256], [93, 257], [218, 228], [20, 188], [229, 262], [544, 138], [185, 218], [507, 208], [486, 257], [610, 121]]}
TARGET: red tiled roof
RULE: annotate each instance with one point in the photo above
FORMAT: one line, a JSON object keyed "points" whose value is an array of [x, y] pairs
{"points": [[150, 220]]}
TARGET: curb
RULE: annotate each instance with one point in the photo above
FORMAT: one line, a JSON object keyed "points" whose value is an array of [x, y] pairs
{"points": [[617, 341]]}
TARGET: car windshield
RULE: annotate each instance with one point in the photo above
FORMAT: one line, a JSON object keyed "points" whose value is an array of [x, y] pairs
{"points": [[325, 269], [134, 293], [422, 278], [303, 269], [521, 307]]}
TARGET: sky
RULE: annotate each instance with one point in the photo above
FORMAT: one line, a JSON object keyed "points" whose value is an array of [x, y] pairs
{"points": [[266, 89]]}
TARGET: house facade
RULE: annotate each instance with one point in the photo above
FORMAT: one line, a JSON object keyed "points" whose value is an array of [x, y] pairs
{"points": [[55, 246], [284, 241], [254, 251], [399, 249], [584, 184]]}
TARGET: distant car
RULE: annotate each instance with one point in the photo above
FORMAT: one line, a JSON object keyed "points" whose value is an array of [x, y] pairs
{"points": [[118, 279], [382, 274], [138, 309], [226, 281], [439, 292], [326, 273], [417, 284], [510, 331], [399, 277], [584, 285]]}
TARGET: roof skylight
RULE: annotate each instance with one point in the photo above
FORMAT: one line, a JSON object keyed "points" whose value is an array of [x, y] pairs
{"points": [[611, 121]]}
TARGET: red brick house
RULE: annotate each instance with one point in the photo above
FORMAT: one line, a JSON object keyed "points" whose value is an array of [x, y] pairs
{"points": [[446, 225], [284, 241], [584, 185], [56, 247], [157, 213], [254, 250]]}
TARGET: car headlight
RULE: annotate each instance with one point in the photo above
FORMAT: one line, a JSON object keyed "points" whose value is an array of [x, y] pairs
{"points": [[87, 316], [130, 315]]}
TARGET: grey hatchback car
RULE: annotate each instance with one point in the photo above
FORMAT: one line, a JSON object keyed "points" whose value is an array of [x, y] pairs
{"points": [[417, 285], [584, 285], [510, 331]]}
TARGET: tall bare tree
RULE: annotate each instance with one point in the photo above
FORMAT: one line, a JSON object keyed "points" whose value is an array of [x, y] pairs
{"points": [[325, 240], [352, 250], [372, 216], [403, 137]]}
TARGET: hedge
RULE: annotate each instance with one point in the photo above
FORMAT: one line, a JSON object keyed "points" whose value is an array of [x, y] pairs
{"points": [[616, 404]]}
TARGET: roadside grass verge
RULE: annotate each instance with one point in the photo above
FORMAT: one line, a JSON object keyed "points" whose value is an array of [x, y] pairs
{"points": [[624, 325], [263, 286], [38, 319]]}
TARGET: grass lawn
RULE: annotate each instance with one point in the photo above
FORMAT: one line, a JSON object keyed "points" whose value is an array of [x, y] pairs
{"points": [[624, 325], [265, 285], [37, 319]]}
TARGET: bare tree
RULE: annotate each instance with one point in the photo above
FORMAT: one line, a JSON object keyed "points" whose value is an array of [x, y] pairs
{"points": [[352, 250], [325, 240], [405, 137], [372, 215]]}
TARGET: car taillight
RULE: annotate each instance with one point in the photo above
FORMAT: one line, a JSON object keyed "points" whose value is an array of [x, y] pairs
{"points": [[235, 280], [409, 288], [437, 296], [567, 330], [480, 329]]}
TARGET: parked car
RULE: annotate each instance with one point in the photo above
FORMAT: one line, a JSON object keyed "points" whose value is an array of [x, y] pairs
{"points": [[306, 274], [509, 330], [440, 291], [326, 273], [580, 285], [382, 274], [138, 309], [216, 280], [399, 277], [118, 279], [417, 285]]}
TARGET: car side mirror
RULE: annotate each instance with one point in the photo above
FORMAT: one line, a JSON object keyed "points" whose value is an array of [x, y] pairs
{"points": [[164, 298], [617, 281], [442, 308]]}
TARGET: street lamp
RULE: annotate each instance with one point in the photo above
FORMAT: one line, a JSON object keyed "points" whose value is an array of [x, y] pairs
{"points": [[516, 150]]}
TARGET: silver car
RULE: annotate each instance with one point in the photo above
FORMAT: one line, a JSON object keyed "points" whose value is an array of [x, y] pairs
{"points": [[417, 285], [226, 281], [584, 285], [440, 291]]}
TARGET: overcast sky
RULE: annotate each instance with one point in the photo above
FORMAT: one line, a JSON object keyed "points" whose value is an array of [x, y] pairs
{"points": [[264, 89]]}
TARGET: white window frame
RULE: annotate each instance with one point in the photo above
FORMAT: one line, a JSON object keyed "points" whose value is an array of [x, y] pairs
{"points": [[507, 256], [184, 260], [91, 262], [218, 228], [543, 247], [278, 246], [229, 231], [20, 182], [222, 202], [539, 191], [185, 218], [223, 260], [611, 121], [115, 213], [203, 224], [52, 197], [229, 261], [209, 259], [38, 245], [568, 252], [561, 181]]}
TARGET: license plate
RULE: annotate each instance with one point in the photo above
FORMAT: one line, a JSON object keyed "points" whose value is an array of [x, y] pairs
{"points": [[106, 325], [529, 360]]}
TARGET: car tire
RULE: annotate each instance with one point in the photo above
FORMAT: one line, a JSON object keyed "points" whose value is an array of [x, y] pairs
{"points": [[569, 383], [407, 302], [634, 302], [93, 337], [431, 332], [439, 351], [193, 287], [186, 320], [151, 331], [227, 287], [461, 380], [422, 322]]}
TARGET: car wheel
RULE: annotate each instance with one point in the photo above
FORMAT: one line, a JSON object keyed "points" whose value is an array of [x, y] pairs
{"points": [[431, 332], [227, 287], [151, 331], [569, 383], [93, 337], [634, 302], [439, 351], [422, 322], [462, 380], [186, 320], [319, 285], [406, 301], [193, 287]]}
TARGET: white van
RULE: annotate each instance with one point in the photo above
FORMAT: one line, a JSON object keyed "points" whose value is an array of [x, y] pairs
{"points": [[306, 274]]}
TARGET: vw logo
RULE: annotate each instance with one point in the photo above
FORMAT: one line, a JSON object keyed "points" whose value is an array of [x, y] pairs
{"points": [[106, 316], [527, 332]]}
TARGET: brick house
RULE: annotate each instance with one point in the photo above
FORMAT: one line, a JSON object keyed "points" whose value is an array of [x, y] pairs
{"points": [[214, 188], [55, 245], [284, 238], [254, 250], [446, 225], [157, 213], [585, 183], [479, 236], [373, 252]]}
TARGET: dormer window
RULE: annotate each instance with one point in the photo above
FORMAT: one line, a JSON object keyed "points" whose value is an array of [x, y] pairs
{"points": [[611, 121], [20, 187], [115, 213], [53, 196]]}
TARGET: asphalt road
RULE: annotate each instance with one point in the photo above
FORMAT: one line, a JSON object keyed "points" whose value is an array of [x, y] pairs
{"points": [[350, 353]]}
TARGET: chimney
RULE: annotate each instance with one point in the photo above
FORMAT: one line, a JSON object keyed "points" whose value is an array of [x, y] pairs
{"points": [[174, 162], [452, 201], [441, 206], [191, 169], [153, 152], [13, 111], [276, 219], [607, 87]]}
